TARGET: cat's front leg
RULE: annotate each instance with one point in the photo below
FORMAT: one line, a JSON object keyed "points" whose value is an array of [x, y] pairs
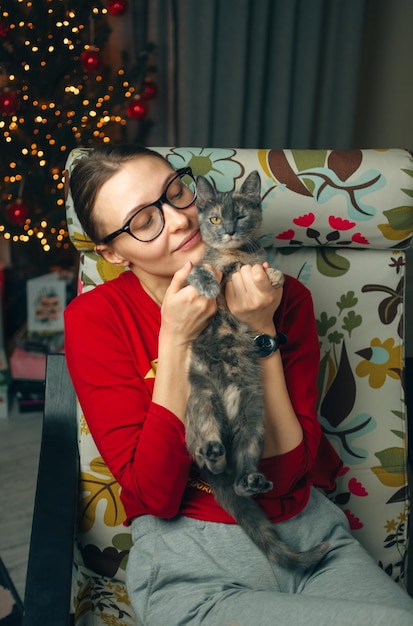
{"points": [[204, 280], [276, 277]]}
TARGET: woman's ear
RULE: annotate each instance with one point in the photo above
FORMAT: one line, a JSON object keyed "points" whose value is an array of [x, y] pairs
{"points": [[110, 255]]}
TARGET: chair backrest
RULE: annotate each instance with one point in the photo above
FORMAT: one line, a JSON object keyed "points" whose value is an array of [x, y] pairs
{"points": [[339, 221]]}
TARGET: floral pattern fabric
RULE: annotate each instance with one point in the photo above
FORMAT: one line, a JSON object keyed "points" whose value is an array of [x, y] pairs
{"points": [[339, 221]]}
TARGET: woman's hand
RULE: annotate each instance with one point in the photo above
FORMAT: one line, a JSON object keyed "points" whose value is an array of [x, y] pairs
{"points": [[252, 299], [185, 313]]}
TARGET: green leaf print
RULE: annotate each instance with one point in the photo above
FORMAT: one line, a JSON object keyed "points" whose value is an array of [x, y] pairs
{"points": [[347, 301], [330, 263], [324, 324], [393, 459], [400, 218], [351, 321]]}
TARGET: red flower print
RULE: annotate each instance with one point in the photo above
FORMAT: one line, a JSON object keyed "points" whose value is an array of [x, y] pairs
{"points": [[339, 223], [287, 235], [304, 220], [355, 523], [357, 488], [358, 238], [343, 470]]}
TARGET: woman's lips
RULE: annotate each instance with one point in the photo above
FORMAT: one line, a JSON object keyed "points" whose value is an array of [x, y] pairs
{"points": [[190, 241]]}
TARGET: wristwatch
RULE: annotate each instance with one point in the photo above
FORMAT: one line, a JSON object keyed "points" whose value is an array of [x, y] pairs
{"points": [[267, 345]]}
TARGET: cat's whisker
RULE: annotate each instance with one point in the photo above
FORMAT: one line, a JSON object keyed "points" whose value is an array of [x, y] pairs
{"points": [[251, 245]]}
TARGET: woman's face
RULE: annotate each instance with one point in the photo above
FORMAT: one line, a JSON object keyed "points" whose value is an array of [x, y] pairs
{"points": [[138, 183]]}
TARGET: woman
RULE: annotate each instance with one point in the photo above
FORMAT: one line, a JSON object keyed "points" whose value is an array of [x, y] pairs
{"points": [[127, 347]]}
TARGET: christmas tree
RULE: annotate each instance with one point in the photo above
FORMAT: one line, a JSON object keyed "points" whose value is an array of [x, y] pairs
{"points": [[57, 91]]}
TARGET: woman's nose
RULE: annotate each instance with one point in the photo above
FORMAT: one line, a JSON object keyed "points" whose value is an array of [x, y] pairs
{"points": [[175, 218]]}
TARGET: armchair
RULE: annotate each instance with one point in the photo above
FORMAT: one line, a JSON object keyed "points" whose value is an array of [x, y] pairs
{"points": [[340, 222]]}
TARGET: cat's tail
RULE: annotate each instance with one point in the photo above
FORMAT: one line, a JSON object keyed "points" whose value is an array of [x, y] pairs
{"points": [[260, 529]]}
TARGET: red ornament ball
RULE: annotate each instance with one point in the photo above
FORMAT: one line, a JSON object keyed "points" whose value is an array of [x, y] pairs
{"points": [[9, 102], [17, 212], [150, 90], [4, 30], [91, 60], [137, 109], [117, 7]]}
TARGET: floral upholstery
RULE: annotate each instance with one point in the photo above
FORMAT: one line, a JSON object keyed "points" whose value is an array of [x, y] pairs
{"points": [[339, 222]]}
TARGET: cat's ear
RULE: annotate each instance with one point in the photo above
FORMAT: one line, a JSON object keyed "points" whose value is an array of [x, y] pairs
{"points": [[205, 190], [252, 185]]}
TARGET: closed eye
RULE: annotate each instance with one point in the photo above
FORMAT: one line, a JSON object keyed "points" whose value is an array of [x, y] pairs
{"points": [[175, 192], [144, 219]]}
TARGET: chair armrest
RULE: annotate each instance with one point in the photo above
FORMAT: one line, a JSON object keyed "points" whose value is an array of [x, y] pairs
{"points": [[50, 563]]}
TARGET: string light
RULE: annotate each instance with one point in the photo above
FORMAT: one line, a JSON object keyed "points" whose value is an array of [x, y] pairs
{"points": [[82, 108]]}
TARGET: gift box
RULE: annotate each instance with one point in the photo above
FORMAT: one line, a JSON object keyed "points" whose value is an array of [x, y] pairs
{"points": [[46, 300], [25, 364]]}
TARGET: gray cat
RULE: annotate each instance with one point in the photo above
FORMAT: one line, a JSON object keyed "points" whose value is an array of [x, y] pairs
{"points": [[224, 416]]}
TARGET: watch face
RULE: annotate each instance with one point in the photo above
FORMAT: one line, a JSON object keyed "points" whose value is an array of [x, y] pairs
{"points": [[266, 342], [266, 345]]}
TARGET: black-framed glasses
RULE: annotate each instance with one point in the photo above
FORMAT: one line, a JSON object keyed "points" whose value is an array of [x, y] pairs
{"points": [[148, 223]]}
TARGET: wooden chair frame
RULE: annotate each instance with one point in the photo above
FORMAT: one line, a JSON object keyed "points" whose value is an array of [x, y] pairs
{"points": [[49, 572]]}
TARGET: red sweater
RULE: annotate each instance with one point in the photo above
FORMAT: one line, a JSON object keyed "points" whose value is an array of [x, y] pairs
{"points": [[111, 349]]}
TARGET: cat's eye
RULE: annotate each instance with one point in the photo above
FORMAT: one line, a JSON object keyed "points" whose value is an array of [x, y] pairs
{"points": [[215, 219]]}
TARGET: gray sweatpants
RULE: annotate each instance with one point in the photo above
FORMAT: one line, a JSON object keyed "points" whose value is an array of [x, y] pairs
{"points": [[188, 572]]}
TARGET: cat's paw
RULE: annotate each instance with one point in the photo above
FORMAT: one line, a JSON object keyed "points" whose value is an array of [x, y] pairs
{"points": [[204, 281], [253, 483], [214, 457], [210, 291], [276, 277]]}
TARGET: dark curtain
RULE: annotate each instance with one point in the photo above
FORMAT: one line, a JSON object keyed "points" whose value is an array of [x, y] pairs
{"points": [[256, 73]]}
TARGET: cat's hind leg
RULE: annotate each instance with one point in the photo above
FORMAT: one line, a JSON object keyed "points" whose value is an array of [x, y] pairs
{"points": [[204, 418], [252, 483], [212, 454], [247, 447]]}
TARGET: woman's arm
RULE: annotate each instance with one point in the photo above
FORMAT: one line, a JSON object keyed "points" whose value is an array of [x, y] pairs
{"points": [[112, 353], [283, 431], [292, 431]]}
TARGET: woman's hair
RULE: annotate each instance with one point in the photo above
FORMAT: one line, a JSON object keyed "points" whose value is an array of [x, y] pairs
{"points": [[92, 172]]}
